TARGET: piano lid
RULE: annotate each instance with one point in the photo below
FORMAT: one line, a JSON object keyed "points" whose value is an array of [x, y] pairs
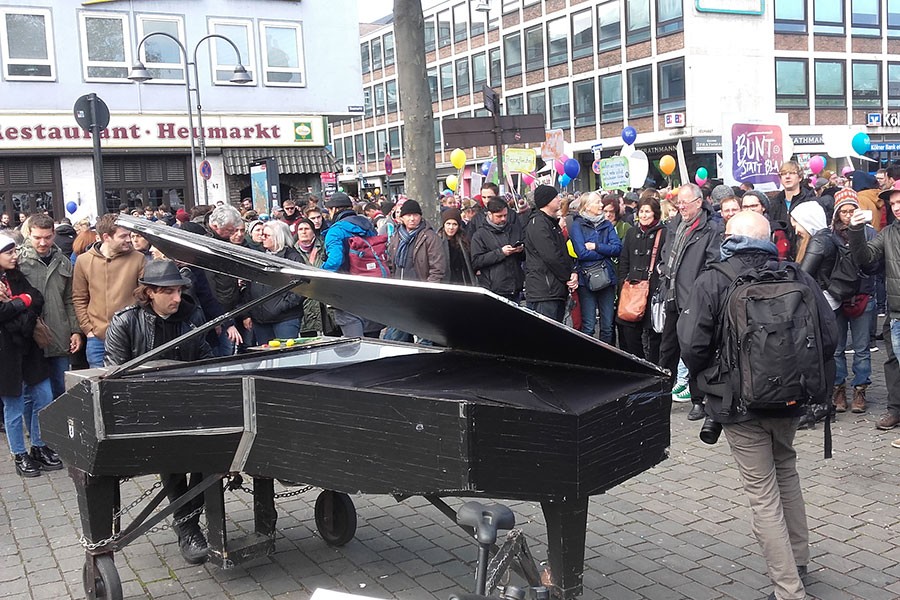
{"points": [[470, 319]]}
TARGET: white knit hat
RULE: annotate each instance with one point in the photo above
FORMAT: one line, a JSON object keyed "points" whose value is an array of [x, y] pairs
{"points": [[810, 215], [6, 243]]}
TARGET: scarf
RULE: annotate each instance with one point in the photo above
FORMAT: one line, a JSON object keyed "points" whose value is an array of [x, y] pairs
{"points": [[650, 226], [594, 220], [407, 239], [740, 243], [305, 248], [679, 244], [494, 226]]}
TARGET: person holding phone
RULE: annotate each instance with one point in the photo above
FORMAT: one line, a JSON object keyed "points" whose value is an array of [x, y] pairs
{"points": [[498, 251]]}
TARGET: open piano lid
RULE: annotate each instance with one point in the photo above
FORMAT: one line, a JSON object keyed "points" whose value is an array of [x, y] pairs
{"points": [[470, 319]]}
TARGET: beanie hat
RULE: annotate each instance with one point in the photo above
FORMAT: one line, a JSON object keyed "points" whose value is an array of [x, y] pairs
{"points": [[721, 192], [182, 216], [763, 199], [410, 207], [544, 195], [821, 182], [339, 200], [860, 180], [844, 197], [810, 215], [451, 214], [6, 243]]}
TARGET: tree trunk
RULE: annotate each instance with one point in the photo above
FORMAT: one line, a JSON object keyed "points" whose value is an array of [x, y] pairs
{"points": [[415, 103]]}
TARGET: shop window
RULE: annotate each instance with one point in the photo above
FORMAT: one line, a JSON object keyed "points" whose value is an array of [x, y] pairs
{"points": [[105, 47], [830, 84], [559, 107], [462, 77], [865, 17], [671, 85], [149, 181], [828, 17], [585, 104], [669, 16], [557, 41], [27, 50], [609, 26], [611, 105], [162, 56], [866, 85], [534, 48], [512, 54], [582, 34], [640, 92], [222, 54], [283, 61], [637, 21], [791, 88], [790, 16]]}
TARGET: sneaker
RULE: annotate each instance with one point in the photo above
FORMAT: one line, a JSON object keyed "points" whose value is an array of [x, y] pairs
{"points": [[682, 396], [848, 351], [896, 443], [679, 387], [881, 313], [874, 348], [888, 421]]}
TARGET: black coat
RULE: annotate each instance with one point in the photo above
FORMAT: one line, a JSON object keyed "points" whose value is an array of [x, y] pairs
{"points": [[132, 332], [548, 265], [703, 248], [634, 261], [21, 361], [497, 272]]}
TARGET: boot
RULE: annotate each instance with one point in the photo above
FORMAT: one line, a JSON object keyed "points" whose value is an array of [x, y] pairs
{"points": [[840, 398], [859, 399]]}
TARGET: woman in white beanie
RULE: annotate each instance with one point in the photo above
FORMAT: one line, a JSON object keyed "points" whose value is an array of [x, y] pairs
{"points": [[807, 218]]}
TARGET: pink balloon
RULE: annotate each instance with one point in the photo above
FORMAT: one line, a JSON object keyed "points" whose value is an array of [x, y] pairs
{"points": [[560, 166], [816, 164], [700, 180], [563, 158], [846, 170], [528, 179]]}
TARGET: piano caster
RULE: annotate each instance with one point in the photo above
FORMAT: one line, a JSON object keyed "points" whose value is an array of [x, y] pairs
{"points": [[335, 517], [101, 578]]}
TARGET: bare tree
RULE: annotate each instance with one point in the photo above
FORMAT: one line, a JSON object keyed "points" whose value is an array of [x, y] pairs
{"points": [[415, 102]]}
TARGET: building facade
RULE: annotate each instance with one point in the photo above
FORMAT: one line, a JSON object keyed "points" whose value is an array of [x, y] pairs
{"points": [[52, 53], [672, 69]]}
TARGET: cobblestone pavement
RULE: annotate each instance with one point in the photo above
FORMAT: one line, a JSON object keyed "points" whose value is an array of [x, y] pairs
{"points": [[680, 530]]}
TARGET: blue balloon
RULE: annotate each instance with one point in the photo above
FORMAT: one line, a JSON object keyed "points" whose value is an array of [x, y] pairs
{"points": [[861, 143], [572, 168], [564, 180], [447, 192], [629, 134], [486, 168], [71, 207]]}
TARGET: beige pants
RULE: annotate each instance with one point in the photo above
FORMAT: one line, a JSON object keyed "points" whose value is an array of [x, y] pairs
{"points": [[764, 452]]}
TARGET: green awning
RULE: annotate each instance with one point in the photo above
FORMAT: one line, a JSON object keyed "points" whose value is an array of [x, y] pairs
{"points": [[290, 160]]}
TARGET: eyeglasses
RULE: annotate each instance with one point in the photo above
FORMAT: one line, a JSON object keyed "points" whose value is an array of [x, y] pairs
{"points": [[786, 173], [686, 202]]}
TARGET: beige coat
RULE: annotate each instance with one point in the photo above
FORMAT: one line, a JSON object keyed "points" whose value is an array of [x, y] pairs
{"points": [[101, 286]]}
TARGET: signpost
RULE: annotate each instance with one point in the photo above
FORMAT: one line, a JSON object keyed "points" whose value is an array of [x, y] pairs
{"points": [[92, 114]]}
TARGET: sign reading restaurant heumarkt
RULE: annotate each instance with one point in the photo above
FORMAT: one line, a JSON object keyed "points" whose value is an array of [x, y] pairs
{"points": [[59, 131]]}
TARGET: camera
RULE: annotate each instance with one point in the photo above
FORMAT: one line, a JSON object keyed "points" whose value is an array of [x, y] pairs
{"points": [[710, 431]]}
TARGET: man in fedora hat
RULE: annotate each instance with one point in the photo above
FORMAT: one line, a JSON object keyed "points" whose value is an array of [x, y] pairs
{"points": [[163, 313]]}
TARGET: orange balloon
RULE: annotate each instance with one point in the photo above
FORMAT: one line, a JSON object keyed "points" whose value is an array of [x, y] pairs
{"points": [[667, 164]]}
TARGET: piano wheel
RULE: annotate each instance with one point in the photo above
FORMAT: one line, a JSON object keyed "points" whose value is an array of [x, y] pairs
{"points": [[335, 517], [106, 584]]}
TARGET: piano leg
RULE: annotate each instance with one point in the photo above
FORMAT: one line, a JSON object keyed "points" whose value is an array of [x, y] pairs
{"points": [[98, 501], [566, 529]]}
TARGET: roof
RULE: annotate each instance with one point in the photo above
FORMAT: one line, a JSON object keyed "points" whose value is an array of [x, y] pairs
{"points": [[290, 160]]}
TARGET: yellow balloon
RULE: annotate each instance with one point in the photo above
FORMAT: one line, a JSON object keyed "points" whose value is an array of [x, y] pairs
{"points": [[458, 159], [377, 191], [667, 164], [452, 182]]}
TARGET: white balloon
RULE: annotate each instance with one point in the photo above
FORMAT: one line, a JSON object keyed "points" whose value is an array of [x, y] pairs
{"points": [[639, 166], [838, 142], [627, 150]]}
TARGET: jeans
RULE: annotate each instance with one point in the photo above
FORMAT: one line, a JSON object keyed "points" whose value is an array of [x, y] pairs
{"points": [[552, 309], [895, 334], [859, 341], [95, 349], [602, 301], [16, 409], [58, 367], [283, 330]]}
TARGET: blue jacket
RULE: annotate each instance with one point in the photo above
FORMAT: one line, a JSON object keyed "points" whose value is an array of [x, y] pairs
{"points": [[348, 224], [604, 236]]}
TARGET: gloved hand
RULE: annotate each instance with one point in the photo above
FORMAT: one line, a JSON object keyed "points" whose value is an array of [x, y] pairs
{"points": [[25, 298]]}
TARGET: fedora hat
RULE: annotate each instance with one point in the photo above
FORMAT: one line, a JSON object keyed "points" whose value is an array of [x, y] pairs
{"points": [[162, 273]]}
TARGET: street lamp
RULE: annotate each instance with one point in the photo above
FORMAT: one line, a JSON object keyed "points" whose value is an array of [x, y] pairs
{"points": [[140, 74]]}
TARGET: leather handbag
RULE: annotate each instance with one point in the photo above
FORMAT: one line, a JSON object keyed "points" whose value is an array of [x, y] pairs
{"points": [[43, 335], [597, 276], [635, 294]]}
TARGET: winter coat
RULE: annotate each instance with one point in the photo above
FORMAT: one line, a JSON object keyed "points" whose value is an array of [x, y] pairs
{"points": [[821, 256], [634, 260], [21, 359], [337, 246], [429, 263], [281, 308], [608, 246], [497, 272], [778, 210], [312, 309], [548, 265], [101, 286], [885, 246], [703, 248], [464, 274], [54, 281], [132, 333], [869, 200]]}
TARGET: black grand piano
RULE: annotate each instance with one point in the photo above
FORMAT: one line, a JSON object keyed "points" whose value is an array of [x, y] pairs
{"points": [[507, 405]]}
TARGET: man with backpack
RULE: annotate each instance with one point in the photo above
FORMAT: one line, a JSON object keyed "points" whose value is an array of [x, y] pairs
{"points": [[759, 337]]}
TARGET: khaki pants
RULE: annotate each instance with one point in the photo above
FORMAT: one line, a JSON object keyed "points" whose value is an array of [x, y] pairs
{"points": [[764, 452]]}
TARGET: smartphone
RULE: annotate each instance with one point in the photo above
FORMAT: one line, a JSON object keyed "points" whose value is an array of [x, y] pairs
{"points": [[521, 243], [867, 215]]}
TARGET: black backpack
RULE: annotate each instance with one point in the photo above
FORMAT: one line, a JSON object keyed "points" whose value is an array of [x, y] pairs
{"points": [[844, 280]]}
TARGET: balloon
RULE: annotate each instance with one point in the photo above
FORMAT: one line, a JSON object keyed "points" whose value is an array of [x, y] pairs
{"points": [[377, 191], [846, 170], [563, 158], [71, 207], [564, 180], [572, 168], [816, 164], [861, 143], [703, 174], [638, 167], [452, 182], [699, 180], [486, 168], [341, 189], [528, 179], [458, 158], [667, 164], [560, 167], [447, 192], [629, 134]]}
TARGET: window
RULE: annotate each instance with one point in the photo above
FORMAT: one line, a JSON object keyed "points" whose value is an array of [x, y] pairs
{"points": [[893, 73], [339, 148], [390, 91], [446, 71], [364, 57], [671, 85], [559, 107], [534, 48], [582, 34], [557, 41], [443, 29], [512, 53], [515, 105], [640, 92], [438, 144], [479, 72], [609, 26], [476, 27], [376, 54], [637, 21], [161, 55], [367, 102], [790, 83], [429, 35], [283, 54], [508, 6], [27, 36], [866, 85], [388, 43], [537, 102], [462, 77], [222, 55], [830, 84], [371, 150], [611, 98], [790, 16], [828, 17], [105, 46], [360, 149], [585, 105], [394, 141], [865, 17], [380, 143], [669, 16], [461, 22], [379, 100], [496, 71], [433, 84], [893, 18]]}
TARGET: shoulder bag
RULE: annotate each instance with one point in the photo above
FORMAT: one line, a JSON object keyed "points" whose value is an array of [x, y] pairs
{"points": [[635, 294], [43, 335]]}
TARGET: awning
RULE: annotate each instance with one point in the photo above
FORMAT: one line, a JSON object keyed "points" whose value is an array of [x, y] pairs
{"points": [[290, 160]]}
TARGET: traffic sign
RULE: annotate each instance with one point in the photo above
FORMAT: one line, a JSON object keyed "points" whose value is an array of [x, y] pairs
{"points": [[82, 111], [205, 169]]}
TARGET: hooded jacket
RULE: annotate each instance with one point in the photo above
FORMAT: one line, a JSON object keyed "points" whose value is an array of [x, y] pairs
{"points": [[101, 286], [54, 281], [347, 224]]}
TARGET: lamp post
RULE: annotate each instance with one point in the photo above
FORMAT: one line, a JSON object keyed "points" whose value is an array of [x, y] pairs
{"points": [[140, 74]]}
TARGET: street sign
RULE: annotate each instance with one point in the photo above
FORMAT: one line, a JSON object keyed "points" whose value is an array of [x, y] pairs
{"points": [[205, 170], [491, 100], [83, 111], [597, 150], [479, 131]]}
